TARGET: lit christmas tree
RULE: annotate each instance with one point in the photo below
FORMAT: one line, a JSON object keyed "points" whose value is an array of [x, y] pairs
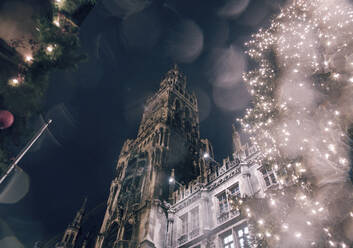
{"points": [[23, 87], [302, 89]]}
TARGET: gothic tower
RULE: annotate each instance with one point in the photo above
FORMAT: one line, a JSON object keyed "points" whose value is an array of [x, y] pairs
{"points": [[72, 231], [168, 139]]}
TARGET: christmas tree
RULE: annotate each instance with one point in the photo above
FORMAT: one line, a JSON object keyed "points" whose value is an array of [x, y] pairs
{"points": [[25, 79], [302, 88]]}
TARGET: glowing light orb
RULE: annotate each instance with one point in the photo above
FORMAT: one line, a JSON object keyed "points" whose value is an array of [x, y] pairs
{"points": [[28, 58], [50, 48], [56, 22], [14, 82]]}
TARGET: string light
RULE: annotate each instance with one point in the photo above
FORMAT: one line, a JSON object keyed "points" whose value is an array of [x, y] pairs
{"points": [[296, 120], [14, 82], [28, 58], [56, 21]]}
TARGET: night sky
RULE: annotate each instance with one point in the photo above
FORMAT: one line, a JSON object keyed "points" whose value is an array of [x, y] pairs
{"points": [[130, 46]]}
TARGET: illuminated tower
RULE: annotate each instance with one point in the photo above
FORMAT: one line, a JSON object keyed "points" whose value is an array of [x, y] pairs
{"points": [[72, 231], [168, 138]]}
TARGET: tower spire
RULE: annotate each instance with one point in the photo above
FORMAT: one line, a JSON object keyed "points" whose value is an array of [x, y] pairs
{"points": [[80, 213], [168, 138], [70, 236], [174, 78]]}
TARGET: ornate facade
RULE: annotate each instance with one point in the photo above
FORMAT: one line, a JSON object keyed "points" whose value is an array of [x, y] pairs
{"points": [[201, 215], [168, 139], [168, 191]]}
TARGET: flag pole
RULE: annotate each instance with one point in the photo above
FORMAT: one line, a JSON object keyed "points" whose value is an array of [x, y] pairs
{"points": [[25, 150]]}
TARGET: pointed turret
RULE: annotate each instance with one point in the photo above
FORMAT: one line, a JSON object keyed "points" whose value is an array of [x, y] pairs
{"points": [[79, 215], [70, 236], [174, 77]]}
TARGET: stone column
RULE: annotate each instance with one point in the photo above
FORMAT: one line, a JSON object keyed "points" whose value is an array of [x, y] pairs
{"points": [[170, 233], [205, 215], [246, 187]]}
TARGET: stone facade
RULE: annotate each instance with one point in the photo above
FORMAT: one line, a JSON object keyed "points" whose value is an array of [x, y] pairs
{"points": [[200, 215], [166, 192], [168, 139]]}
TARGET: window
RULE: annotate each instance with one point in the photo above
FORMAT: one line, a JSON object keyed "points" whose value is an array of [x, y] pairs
{"points": [[184, 224], [194, 219], [234, 190], [269, 176], [223, 202], [243, 237], [227, 240]]}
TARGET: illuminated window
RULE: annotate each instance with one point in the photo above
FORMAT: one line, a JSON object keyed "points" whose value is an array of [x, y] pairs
{"points": [[227, 240], [269, 176], [243, 237]]}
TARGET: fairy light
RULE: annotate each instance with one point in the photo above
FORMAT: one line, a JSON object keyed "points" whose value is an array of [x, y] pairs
{"points": [[336, 75], [285, 226], [56, 21], [14, 82], [28, 58], [298, 235], [50, 48], [59, 3]]}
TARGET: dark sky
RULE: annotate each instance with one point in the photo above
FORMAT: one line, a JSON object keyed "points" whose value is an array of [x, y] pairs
{"points": [[130, 47]]}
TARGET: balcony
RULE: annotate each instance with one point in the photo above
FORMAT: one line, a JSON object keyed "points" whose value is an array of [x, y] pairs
{"points": [[182, 239], [224, 216]]}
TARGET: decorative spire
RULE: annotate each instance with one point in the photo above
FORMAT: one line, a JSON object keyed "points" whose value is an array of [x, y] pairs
{"points": [[174, 77], [176, 67], [79, 216]]}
